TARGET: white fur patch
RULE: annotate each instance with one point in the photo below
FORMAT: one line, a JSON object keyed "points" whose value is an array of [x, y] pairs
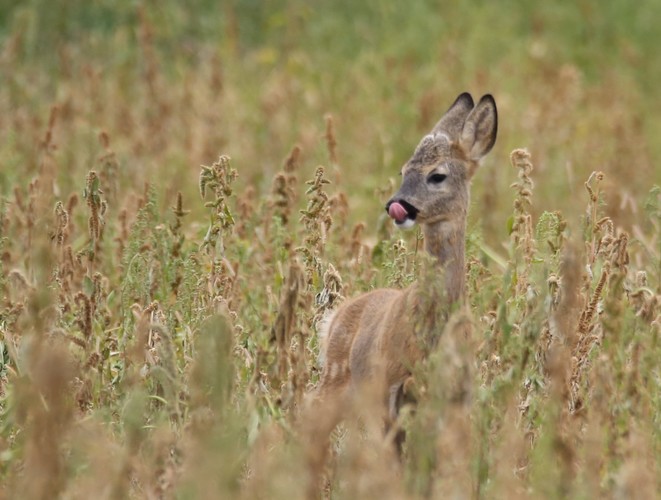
{"points": [[407, 224], [323, 330], [440, 136]]}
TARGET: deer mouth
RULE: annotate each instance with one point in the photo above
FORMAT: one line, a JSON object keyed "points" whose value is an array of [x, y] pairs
{"points": [[402, 213]]}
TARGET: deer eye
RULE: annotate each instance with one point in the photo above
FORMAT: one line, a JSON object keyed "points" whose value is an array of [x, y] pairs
{"points": [[436, 178]]}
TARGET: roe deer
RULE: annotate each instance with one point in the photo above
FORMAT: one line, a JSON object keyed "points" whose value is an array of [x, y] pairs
{"points": [[372, 338]]}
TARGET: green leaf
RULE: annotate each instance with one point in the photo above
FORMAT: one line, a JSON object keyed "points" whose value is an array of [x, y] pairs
{"points": [[88, 287]]}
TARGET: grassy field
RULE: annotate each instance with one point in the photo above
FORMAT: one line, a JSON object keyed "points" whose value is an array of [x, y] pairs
{"points": [[187, 187]]}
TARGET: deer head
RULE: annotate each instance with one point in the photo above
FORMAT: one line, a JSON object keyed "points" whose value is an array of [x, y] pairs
{"points": [[435, 181]]}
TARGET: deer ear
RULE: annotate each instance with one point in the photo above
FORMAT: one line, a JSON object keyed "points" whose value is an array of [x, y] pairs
{"points": [[452, 122], [479, 131]]}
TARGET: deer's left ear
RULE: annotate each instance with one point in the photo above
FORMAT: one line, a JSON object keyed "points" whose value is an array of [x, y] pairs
{"points": [[480, 129], [453, 120]]}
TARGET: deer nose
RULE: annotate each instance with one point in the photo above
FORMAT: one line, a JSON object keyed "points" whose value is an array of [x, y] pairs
{"points": [[399, 210]]}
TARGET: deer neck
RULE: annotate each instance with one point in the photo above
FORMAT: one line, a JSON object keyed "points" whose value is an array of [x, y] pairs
{"points": [[445, 241]]}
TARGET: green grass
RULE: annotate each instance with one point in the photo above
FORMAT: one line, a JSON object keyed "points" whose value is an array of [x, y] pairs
{"points": [[150, 359]]}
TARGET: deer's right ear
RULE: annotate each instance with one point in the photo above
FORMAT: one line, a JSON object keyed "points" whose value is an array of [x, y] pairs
{"points": [[479, 131], [452, 122]]}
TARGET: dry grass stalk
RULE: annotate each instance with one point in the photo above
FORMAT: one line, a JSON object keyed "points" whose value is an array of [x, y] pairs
{"points": [[219, 178], [246, 208], [179, 238], [48, 167], [109, 167], [330, 295], [645, 300], [317, 222], [358, 249], [96, 204], [585, 322], [283, 330], [283, 189], [331, 141], [593, 187], [179, 213], [611, 249], [123, 233], [339, 207], [522, 227], [61, 224]]}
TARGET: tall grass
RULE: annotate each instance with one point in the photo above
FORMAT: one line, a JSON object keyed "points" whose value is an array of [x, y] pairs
{"points": [[185, 191]]}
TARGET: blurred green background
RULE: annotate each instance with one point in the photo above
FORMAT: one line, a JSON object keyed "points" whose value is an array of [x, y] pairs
{"points": [[176, 83]]}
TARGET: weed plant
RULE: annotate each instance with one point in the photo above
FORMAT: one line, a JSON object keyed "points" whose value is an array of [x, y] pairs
{"points": [[186, 190]]}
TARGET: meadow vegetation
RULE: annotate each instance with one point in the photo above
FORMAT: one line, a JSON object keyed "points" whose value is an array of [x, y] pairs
{"points": [[186, 188]]}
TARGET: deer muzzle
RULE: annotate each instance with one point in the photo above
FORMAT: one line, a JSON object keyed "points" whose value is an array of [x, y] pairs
{"points": [[402, 213]]}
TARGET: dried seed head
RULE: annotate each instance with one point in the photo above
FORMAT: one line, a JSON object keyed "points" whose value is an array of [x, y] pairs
{"points": [[522, 227], [96, 204], [61, 224], [331, 142]]}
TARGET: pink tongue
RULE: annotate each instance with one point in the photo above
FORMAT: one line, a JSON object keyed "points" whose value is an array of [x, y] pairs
{"points": [[397, 212]]}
